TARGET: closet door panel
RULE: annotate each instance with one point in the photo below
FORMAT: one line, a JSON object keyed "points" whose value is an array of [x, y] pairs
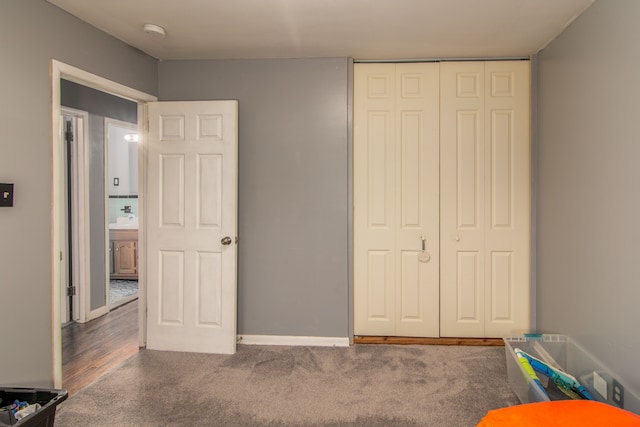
{"points": [[508, 208], [396, 168], [417, 206], [462, 213], [468, 289], [374, 172]]}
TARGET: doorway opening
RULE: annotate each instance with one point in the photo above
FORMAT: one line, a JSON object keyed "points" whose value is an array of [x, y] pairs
{"points": [[100, 137], [97, 262], [121, 190]]}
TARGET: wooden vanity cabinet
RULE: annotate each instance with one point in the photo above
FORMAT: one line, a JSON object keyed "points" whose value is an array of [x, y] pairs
{"points": [[124, 254]]}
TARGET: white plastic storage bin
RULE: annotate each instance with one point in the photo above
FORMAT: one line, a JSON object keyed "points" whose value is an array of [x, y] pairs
{"points": [[572, 359]]}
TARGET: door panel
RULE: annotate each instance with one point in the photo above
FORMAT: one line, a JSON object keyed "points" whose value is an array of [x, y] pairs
{"points": [[468, 288], [469, 170], [486, 182], [379, 171], [171, 287], [374, 206], [171, 193], [462, 202], [379, 289], [210, 191], [209, 271], [192, 194], [417, 199], [502, 169], [410, 309], [508, 210], [396, 167]]}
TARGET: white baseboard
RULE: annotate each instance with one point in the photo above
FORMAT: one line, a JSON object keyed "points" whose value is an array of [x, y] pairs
{"points": [[293, 340], [94, 314]]}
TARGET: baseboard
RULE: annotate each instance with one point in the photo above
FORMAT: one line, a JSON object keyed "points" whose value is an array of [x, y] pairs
{"points": [[94, 314], [293, 340]]}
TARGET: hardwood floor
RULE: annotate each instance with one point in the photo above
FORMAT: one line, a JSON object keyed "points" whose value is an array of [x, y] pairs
{"points": [[91, 349]]}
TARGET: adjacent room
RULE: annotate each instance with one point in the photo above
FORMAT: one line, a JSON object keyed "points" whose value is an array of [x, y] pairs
{"points": [[314, 213]]}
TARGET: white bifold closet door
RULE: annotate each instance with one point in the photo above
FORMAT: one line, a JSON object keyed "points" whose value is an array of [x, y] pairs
{"points": [[442, 152], [485, 198], [396, 175]]}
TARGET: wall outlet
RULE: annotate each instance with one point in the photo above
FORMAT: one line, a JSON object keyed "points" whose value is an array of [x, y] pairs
{"points": [[600, 385], [6, 195], [617, 395]]}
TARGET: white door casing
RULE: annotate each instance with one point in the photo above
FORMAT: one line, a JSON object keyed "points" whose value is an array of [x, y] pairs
{"points": [[485, 198], [192, 206], [396, 170]]}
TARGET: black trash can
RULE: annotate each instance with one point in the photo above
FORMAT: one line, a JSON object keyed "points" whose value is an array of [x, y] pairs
{"points": [[43, 417]]}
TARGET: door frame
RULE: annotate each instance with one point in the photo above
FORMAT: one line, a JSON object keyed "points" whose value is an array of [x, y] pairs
{"points": [[68, 72]]}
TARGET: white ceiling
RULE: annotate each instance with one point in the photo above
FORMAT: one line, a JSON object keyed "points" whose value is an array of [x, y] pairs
{"points": [[361, 29]]}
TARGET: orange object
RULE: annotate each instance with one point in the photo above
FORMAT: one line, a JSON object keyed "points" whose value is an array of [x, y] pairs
{"points": [[561, 413]]}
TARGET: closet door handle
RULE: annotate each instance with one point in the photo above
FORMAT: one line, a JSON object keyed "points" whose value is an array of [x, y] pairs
{"points": [[226, 240], [424, 256]]}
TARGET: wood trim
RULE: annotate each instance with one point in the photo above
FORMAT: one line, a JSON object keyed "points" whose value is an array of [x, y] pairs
{"points": [[493, 342]]}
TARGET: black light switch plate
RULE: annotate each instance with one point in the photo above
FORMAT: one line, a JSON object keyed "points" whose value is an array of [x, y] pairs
{"points": [[6, 195]]}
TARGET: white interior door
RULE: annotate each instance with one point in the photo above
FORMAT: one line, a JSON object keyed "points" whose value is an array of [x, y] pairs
{"points": [[77, 233], [192, 226], [396, 206], [485, 204], [64, 269]]}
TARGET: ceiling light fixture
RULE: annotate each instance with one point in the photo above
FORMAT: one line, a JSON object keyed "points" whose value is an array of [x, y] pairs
{"points": [[154, 30]]}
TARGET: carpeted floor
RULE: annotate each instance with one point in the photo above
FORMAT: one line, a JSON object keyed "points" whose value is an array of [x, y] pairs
{"points": [[363, 385]]}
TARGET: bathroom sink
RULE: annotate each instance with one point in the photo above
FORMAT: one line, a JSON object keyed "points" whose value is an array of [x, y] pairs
{"points": [[132, 226], [124, 223]]}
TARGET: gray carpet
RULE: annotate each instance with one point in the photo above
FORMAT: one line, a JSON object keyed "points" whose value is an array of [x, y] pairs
{"points": [[364, 385]]}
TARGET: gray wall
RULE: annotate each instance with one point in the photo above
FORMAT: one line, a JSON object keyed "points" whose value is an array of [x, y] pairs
{"points": [[293, 129], [32, 33], [99, 105], [96, 102], [588, 174]]}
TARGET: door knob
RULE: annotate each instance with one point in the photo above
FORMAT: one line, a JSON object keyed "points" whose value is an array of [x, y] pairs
{"points": [[226, 240]]}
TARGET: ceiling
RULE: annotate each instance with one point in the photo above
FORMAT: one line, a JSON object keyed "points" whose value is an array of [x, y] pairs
{"points": [[361, 29]]}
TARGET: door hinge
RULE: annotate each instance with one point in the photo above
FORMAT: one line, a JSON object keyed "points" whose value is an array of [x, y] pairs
{"points": [[60, 255], [71, 291]]}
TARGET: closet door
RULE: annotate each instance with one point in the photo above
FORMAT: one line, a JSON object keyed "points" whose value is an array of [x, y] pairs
{"points": [[396, 201], [485, 204], [462, 199]]}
